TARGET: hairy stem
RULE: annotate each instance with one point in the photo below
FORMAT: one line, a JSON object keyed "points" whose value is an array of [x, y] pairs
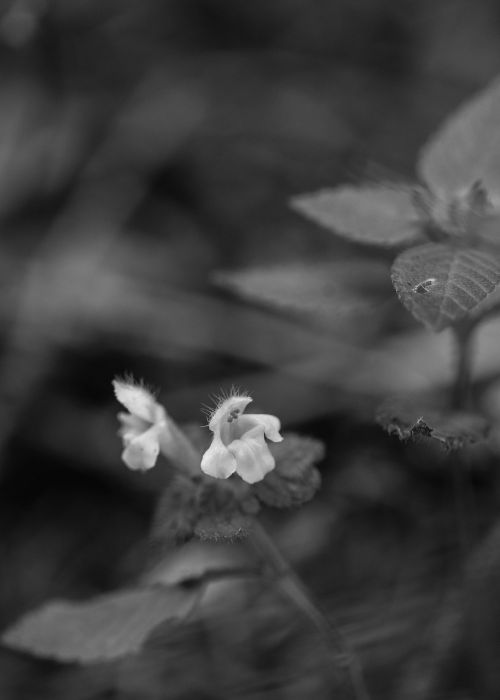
{"points": [[297, 592], [461, 388]]}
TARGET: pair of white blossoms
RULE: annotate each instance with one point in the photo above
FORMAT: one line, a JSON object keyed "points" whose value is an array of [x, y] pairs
{"points": [[238, 444]]}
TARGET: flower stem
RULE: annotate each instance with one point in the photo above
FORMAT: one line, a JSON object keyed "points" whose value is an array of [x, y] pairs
{"points": [[297, 592], [460, 399], [461, 388]]}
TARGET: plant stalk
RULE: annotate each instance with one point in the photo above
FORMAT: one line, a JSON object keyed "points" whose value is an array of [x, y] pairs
{"points": [[298, 593], [460, 400], [461, 388]]}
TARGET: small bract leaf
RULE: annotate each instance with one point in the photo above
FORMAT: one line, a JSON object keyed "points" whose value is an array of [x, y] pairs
{"points": [[466, 149], [295, 479], [408, 417], [225, 511], [442, 284], [103, 628], [175, 514], [205, 508], [374, 215]]}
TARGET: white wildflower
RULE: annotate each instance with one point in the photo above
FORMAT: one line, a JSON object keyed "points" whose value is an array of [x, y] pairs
{"points": [[238, 444], [141, 428]]}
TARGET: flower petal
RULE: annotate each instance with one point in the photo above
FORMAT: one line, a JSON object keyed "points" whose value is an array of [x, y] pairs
{"points": [[142, 451], [271, 425], [218, 461], [136, 399], [131, 426], [252, 455]]}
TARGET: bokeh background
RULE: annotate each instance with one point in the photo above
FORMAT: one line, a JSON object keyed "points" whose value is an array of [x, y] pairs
{"points": [[148, 151]]}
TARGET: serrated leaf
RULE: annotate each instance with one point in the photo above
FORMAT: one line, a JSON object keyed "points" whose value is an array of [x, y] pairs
{"points": [[103, 628], [442, 284], [295, 479], [466, 149], [374, 215], [408, 418], [321, 290]]}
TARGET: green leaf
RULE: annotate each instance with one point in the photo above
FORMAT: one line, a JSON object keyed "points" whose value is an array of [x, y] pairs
{"points": [[295, 479], [318, 289], [441, 284], [374, 215], [466, 149], [409, 417], [103, 628]]}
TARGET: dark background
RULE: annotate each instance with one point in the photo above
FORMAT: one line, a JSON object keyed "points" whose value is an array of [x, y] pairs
{"points": [[147, 150]]}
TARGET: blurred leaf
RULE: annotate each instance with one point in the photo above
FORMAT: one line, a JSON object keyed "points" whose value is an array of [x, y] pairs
{"points": [[295, 479], [161, 114], [441, 284], [438, 652], [374, 215], [482, 612], [466, 149], [322, 290], [266, 650], [249, 643], [106, 627], [165, 667], [408, 418], [208, 324], [42, 143]]}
